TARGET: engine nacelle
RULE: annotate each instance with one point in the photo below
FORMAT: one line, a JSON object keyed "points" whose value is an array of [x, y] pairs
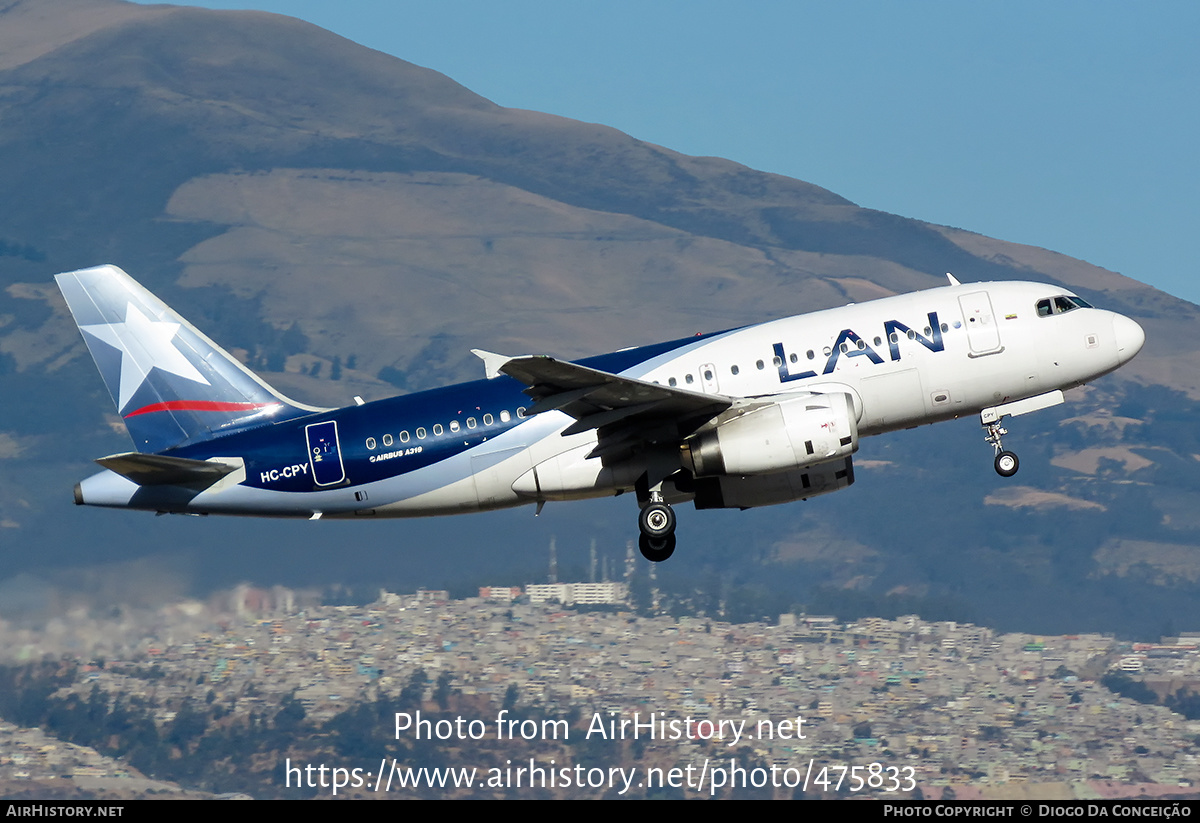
{"points": [[791, 434], [770, 489]]}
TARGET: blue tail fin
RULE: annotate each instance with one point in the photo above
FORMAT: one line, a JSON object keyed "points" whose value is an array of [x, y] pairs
{"points": [[172, 385]]}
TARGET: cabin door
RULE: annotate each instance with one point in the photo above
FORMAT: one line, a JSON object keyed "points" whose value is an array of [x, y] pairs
{"points": [[982, 330], [324, 453]]}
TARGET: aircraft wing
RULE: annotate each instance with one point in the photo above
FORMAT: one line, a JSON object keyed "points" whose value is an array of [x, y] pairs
{"points": [[623, 409]]}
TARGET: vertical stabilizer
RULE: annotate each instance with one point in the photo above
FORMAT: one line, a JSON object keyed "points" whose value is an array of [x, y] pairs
{"points": [[172, 385]]}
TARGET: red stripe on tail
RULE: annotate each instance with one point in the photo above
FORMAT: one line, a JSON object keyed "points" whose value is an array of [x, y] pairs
{"points": [[198, 405]]}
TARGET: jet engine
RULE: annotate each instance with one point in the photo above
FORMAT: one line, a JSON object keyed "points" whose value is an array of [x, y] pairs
{"points": [[778, 437]]}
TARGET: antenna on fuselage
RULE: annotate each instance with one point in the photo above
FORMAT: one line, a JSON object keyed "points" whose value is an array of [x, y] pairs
{"points": [[953, 279]]}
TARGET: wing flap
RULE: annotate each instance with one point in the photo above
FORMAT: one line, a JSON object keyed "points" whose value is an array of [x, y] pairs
{"points": [[554, 402], [609, 417]]}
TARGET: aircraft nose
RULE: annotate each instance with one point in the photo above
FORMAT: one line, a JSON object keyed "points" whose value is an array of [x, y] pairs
{"points": [[1130, 337]]}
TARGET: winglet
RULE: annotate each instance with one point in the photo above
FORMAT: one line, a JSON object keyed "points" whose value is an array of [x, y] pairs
{"points": [[492, 362], [953, 279]]}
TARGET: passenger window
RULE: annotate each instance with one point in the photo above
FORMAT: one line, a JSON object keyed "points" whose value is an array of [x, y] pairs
{"points": [[421, 433], [792, 357], [878, 342], [504, 416], [404, 436], [470, 422], [945, 328], [371, 443], [487, 419], [687, 378], [437, 430], [671, 382], [708, 375], [733, 369], [811, 354], [894, 338], [759, 364], [775, 361], [387, 440], [454, 426], [521, 412]]}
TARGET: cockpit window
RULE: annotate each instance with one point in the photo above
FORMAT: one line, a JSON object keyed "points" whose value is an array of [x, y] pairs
{"points": [[1061, 304]]}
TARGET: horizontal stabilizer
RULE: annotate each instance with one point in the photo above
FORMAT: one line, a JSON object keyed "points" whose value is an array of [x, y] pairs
{"points": [[160, 470]]}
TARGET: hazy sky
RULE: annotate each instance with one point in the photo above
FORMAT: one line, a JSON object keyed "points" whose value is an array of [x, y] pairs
{"points": [[1068, 125]]}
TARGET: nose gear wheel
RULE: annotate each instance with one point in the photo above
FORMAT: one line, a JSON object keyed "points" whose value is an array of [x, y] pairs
{"points": [[1006, 462]]}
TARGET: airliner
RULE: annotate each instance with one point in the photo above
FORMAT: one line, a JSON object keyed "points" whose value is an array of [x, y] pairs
{"points": [[753, 416]]}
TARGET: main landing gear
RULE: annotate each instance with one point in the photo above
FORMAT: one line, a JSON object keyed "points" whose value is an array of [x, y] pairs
{"points": [[657, 524], [1006, 462]]}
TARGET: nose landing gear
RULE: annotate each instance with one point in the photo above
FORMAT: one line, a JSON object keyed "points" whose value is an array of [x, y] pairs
{"points": [[1006, 462], [990, 418]]}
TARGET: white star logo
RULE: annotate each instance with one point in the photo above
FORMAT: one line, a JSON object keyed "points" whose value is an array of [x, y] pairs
{"points": [[144, 344]]}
